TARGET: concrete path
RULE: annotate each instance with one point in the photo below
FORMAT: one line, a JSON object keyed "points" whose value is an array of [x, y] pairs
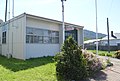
{"points": [[110, 73]]}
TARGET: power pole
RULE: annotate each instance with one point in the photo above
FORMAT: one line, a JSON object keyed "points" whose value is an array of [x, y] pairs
{"points": [[108, 36], [63, 24], [13, 9], [6, 11], [96, 29]]}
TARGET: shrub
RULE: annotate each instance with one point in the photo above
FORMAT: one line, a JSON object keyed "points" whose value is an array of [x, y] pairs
{"points": [[117, 54], [102, 54], [71, 64], [109, 54], [94, 64]]}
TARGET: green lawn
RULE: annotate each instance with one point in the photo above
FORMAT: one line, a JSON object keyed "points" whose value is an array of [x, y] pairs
{"points": [[103, 53], [39, 69]]}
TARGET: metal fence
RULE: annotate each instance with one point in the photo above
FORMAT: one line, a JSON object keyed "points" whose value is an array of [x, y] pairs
{"points": [[102, 48]]}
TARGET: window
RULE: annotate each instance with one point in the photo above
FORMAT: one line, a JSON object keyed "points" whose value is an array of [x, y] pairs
{"points": [[38, 32], [29, 31], [72, 33], [4, 37], [40, 39], [36, 35], [55, 37]]}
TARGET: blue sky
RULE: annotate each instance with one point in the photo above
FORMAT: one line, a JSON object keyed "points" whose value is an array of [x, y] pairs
{"points": [[81, 12]]}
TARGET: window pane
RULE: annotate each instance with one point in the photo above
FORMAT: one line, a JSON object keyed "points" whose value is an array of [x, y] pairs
{"points": [[36, 35], [55, 40], [4, 37], [50, 33], [40, 39], [46, 33], [38, 32], [29, 30], [55, 33], [36, 39], [45, 39], [31, 39], [27, 39], [50, 39]]}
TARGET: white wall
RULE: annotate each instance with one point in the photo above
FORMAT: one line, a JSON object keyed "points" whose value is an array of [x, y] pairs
{"points": [[39, 50], [15, 38], [113, 42], [36, 23]]}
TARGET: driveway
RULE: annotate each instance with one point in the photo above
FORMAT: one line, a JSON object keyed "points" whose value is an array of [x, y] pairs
{"points": [[110, 73]]}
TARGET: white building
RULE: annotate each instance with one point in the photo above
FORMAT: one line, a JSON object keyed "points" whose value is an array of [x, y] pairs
{"points": [[104, 41], [28, 36], [113, 41]]}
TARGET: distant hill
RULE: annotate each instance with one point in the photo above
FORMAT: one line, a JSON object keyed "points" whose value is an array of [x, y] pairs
{"points": [[92, 35]]}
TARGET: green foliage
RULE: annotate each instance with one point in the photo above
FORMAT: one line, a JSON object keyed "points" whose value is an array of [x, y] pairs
{"points": [[117, 54], [71, 65], [103, 53], [85, 39]]}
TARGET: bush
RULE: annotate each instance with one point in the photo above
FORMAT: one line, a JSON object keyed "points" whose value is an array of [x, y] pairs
{"points": [[109, 54], [94, 64], [102, 54], [117, 54], [71, 64]]}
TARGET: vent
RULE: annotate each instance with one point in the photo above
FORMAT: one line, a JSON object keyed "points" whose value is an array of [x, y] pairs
{"points": [[113, 35]]}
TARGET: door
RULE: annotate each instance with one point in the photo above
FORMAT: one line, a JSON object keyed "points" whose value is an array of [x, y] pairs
{"points": [[72, 33]]}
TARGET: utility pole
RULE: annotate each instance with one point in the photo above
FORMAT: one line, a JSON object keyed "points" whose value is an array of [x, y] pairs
{"points": [[63, 24], [6, 11], [13, 9], [108, 35], [96, 29]]}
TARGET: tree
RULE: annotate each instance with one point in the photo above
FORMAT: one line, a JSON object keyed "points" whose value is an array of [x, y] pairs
{"points": [[70, 63]]}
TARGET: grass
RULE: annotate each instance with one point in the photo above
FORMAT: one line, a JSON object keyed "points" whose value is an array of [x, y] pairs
{"points": [[103, 53], [39, 69]]}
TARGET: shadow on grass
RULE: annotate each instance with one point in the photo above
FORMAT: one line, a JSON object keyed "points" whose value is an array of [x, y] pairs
{"points": [[17, 65]]}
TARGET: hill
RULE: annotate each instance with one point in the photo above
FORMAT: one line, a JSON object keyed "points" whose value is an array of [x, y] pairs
{"points": [[92, 35]]}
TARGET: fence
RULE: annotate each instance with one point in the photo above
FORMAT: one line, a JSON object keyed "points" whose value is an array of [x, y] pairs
{"points": [[102, 48]]}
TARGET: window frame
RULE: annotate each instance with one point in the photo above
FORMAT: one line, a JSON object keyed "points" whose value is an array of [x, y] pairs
{"points": [[45, 34], [4, 34]]}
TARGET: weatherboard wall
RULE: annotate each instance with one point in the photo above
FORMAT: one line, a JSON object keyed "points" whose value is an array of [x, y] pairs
{"points": [[16, 45], [15, 40], [38, 50]]}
